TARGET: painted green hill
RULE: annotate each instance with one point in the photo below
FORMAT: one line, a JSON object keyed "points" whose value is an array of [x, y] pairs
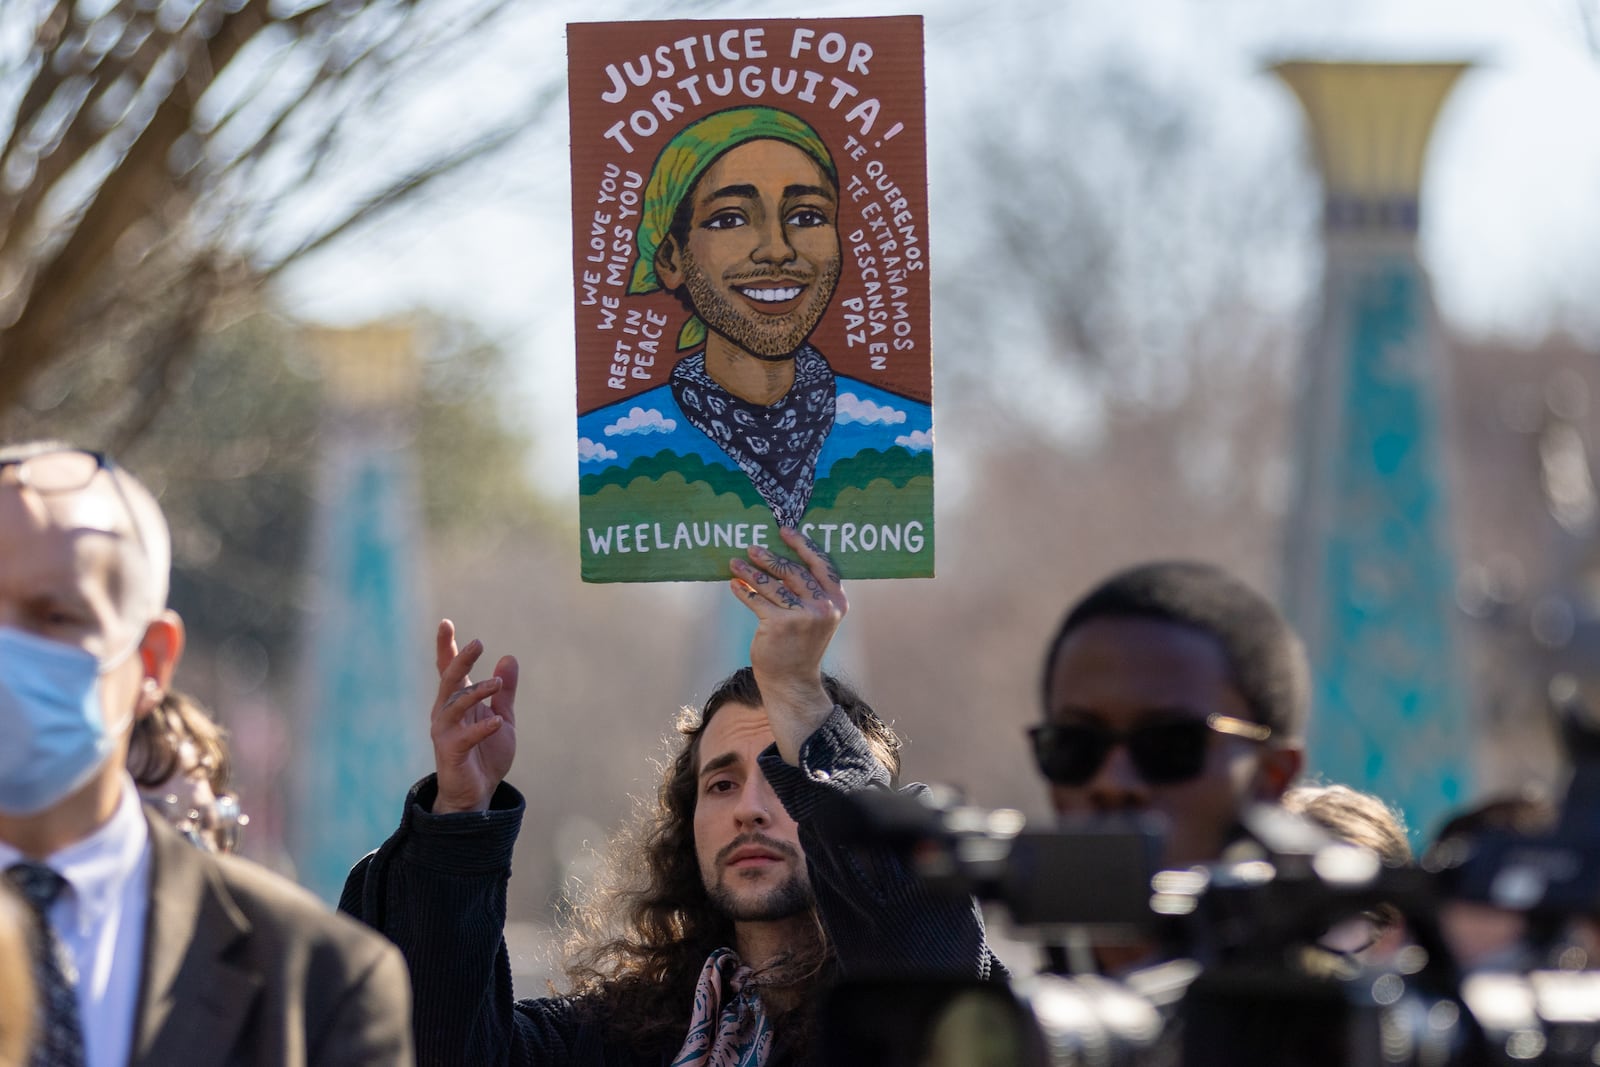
{"points": [[896, 465], [692, 468]]}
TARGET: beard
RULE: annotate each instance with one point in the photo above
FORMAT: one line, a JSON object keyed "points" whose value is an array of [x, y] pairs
{"points": [[789, 898], [768, 337]]}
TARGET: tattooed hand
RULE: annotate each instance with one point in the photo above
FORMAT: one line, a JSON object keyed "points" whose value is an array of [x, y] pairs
{"points": [[799, 605]]}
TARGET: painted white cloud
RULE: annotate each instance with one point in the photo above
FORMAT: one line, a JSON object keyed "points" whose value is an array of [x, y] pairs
{"points": [[590, 451], [852, 408], [638, 421], [916, 441]]}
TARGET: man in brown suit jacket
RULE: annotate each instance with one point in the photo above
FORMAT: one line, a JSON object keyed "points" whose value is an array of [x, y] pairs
{"points": [[157, 952]]}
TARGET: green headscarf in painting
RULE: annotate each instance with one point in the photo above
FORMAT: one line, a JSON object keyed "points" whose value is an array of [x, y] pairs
{"points": [[689, 155]]}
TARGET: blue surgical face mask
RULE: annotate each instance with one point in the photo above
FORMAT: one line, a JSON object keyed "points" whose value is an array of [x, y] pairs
{"points": [[53, 733]]}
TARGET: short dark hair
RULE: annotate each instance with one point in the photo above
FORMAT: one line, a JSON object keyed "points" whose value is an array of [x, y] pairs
{"points": [[1265, 658]]}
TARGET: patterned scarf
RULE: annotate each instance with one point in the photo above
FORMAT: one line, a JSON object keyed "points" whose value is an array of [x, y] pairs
{"points": [[729, 1027], [776, 445]]}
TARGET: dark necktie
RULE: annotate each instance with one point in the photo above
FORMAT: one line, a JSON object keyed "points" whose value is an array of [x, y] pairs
{"points": [[58, 1041]]}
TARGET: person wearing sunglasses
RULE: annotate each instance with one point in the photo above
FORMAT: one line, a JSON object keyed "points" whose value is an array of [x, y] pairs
{"points": [[146, 950], [1175, 689]]}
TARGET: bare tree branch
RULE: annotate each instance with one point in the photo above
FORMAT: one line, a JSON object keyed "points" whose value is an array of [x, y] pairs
{"points": [[147, 179], [376, 204], [19, 215], [45, 42]]}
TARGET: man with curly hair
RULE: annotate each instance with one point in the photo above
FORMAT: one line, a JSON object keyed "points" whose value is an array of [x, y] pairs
{"points": [[733, 907]]}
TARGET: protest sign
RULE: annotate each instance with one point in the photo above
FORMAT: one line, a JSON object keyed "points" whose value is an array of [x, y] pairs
{"points": [[750, 257]]}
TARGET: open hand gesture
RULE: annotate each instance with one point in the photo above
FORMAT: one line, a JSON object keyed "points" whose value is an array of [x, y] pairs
{"points": [[474, 727]]}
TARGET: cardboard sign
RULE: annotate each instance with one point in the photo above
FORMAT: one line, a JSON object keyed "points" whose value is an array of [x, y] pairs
{"points": [[750, 261]]}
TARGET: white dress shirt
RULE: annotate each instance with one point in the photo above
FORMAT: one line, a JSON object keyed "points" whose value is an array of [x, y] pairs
{"points": [[100, 917]]}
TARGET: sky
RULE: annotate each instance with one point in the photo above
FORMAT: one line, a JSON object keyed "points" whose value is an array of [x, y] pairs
{"points": [[1511, 203]]}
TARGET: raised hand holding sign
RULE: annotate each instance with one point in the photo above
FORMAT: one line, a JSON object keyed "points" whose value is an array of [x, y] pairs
{"points": [[799, 606]]}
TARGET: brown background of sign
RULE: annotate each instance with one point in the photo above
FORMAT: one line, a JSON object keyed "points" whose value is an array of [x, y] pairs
{"points": [[895, 78]]}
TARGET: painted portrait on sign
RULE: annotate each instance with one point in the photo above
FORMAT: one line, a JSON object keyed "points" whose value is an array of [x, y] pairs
{"points": [[751, 295]]}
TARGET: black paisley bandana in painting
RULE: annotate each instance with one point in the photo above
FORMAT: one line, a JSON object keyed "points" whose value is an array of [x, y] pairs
{"points": [[775, 445]]}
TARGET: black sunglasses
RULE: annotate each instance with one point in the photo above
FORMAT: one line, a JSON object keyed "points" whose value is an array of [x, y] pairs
{"points": [[1163, 753]]}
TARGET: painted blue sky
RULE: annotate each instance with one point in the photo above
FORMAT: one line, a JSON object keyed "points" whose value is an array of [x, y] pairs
{"points": [[646, 424]]}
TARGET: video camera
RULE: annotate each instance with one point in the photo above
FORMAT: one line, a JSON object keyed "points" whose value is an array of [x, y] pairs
{"points": [[1236, 974]]}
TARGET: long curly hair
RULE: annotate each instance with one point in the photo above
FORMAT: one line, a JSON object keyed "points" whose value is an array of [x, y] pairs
{"points": [[155, 749], [640, 940]]}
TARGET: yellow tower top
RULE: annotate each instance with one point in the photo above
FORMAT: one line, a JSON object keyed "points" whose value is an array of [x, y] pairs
{"points": [[1370, 125], [369, 367]]}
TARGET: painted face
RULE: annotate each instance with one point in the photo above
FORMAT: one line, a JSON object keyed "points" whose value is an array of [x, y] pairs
{"points": [[748, 847], [762, 256], [1122, 674]]}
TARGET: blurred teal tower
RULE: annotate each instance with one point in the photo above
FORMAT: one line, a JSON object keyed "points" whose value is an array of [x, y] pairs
{"points": [[1370, 577], [360, 738]]}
